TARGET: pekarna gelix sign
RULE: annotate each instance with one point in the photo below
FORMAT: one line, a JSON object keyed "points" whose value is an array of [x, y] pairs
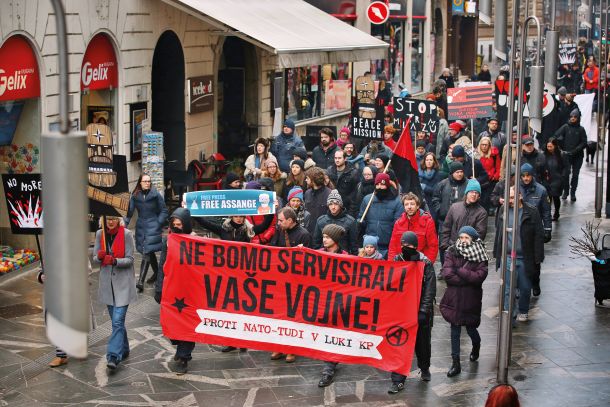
{"points": [[200, 94]]}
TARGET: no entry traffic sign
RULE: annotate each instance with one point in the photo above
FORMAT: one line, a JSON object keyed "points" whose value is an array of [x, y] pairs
{"points": [[378, 12]]}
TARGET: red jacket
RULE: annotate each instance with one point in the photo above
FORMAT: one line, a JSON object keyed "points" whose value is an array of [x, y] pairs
{"points": [[595, 78], [423, 226], [265, 237], [492, 164]]}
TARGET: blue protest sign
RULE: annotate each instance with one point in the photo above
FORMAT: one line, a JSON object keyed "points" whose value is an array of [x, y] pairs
{"points": [[243, 202]]}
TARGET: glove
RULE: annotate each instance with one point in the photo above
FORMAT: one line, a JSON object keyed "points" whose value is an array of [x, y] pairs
{"points": [[101, 254], [158, 297], [108, 260], [547, 236], [422, 317]]}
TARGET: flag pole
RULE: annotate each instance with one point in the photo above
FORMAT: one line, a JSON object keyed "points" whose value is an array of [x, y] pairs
{"points": [[472, 145], [385, 170]]}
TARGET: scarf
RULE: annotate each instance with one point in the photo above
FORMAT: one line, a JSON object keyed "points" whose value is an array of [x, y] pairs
{"points": [[113, 241], [300, 211], [427, 175], [474, 252]]}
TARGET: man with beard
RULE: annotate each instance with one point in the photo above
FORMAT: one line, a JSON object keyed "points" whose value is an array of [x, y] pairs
{"points": [[337, 215], [324, 154], [573, 140], [345, 178]]}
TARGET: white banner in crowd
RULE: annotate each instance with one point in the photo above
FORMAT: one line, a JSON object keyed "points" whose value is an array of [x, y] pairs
{"points": [[585, 104]]}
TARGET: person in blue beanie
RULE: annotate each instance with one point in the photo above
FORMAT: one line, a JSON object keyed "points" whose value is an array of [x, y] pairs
{"points": [[284, 145]]}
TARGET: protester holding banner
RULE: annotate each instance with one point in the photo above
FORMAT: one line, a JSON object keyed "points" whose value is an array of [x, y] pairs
{"points": [[295, 201], [345, 177], [416, 220], [264, 236], [236, 228], [384, 210], [278, 177], [256, 163], [316, 196], [324, 153], [179, 222], [573, 140], [284, 144], [152, 214], [369, 248], [337, 215], [425, 318], [465, 269], [114, 249]]}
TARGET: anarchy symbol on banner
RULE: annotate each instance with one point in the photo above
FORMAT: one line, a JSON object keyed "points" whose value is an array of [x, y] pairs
{"points": [[397, 336]]}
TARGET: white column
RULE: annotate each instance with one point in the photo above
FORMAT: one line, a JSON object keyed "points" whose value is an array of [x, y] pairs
{"points": [[428, 68], [363, 24], [408, 41]]}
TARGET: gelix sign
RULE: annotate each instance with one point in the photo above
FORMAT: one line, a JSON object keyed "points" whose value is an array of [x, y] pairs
{"points": [[200, 94], [99, 69], [19, 77]]}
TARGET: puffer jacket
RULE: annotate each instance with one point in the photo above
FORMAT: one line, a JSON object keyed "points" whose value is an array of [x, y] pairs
{"points": [[349, 241], [381, 217], [283, 147], [152, 214], [428, 287], [462, 302], [423, 226], [447, 192], [462, 214]]}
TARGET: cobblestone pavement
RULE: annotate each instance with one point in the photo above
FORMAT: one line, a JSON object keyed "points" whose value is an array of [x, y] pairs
{"points": [[561, 357]]}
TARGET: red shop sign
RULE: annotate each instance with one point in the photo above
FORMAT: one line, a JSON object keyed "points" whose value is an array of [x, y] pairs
{"points": [[99, 69], [19, 76]]}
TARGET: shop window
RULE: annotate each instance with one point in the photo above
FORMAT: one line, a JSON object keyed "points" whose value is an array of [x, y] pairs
{"points": [[417, 56], [318, 90], [390, 67]]}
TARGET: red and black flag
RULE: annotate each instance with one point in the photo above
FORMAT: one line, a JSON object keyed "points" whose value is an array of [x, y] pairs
{"points": [[404, 163], [471, 102]]}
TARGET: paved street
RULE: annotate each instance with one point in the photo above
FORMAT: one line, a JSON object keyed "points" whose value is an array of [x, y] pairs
{"points": [[561, 357]]}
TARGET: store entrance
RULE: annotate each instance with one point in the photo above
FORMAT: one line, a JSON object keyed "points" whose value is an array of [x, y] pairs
{"points": [[168, 100], [237, 113]]}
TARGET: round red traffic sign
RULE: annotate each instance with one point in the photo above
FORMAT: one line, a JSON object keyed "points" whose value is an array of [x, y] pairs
{"points": [[378, 12]]}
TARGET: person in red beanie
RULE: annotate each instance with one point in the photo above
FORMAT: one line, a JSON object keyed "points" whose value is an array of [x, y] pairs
{"points": [[455, 130]]}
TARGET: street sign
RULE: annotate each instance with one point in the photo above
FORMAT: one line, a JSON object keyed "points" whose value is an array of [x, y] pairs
{"points": [[378, 12]]}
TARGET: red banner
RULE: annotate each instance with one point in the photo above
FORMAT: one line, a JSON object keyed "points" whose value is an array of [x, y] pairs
{"points": [[99, 69], [19, 77], [294, 300], [471, 102]]}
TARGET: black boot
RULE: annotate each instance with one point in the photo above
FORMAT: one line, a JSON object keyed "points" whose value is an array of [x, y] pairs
{"points": [[155, 267], [474, 355], [142, 277], [152, 278], [455, 368]]}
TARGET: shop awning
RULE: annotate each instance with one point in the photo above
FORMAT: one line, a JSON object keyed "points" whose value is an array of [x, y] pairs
{"points": [[297, 32]]}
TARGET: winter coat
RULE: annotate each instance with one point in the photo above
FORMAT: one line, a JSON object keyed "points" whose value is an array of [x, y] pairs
{"points": [[462, 302], [152, 214], [536, 195], [349, 241], [536, 160], [460, 214], [250, 164], [572, 139], [428, 181], [573, 81], [498, 139], [297, 235], [448, 80], [532, 238], [447, 192], [423, 226], [187, 228], [441, 135], [347, 186], [279, 184], [283, 147], [381, 217], [315, 203], [363, 189], [557, 170], [590, 77], [428, 287], [324, 159], [491, 164], [117, 283]]}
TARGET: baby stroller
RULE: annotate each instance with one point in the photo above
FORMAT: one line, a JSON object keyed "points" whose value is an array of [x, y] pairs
{"points": [[601, 274]]}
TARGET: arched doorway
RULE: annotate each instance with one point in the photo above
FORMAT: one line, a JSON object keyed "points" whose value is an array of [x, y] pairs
{"points": [[238, 98], [167, 84]]}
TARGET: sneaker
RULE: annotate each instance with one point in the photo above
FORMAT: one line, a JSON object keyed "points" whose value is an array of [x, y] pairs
{"points": [[425, 375], [113, 363], [326, 380], [396, 387], [57, 361], [180, 367], [522, 317]]}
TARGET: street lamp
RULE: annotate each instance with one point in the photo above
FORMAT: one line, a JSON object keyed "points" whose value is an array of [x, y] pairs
{"points": [[601, 109]]}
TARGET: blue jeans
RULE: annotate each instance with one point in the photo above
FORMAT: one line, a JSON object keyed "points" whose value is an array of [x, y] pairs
{"points": [[118, 345], [524, 287], [456, 333]]}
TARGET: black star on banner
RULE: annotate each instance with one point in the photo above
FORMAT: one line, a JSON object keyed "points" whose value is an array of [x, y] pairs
{"points": [[179, 304]]}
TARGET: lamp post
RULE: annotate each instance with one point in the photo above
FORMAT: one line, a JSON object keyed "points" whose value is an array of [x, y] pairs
{"points": [[601, 110]]}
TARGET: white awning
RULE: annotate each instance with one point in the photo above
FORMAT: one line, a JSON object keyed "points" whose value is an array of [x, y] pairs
{"points": [[297, 32]]}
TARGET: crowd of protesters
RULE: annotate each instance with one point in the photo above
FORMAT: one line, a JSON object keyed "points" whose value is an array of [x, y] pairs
{"points": [[343, 197]]}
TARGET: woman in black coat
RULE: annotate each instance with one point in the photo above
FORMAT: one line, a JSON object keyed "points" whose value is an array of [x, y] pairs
{"points": [[464, 270], [367, 183], [152, 214], [558, 170]]}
